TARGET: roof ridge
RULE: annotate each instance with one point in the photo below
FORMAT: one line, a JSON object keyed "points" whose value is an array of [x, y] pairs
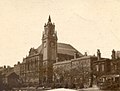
{"points": [[62, 48]]}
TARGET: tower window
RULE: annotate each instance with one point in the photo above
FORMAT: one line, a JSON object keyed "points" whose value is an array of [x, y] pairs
{"points": [[97, 68]]}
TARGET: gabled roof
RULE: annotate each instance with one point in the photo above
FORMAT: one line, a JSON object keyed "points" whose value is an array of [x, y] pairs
{"points": [[39, 49], [63, 48], [9, 73]]}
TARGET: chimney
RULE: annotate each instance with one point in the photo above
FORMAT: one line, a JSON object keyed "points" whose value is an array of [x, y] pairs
{"points": [[98, 54], [113, 54], [56, 59], [18, 62], [85, 53], [75, 55], [8, 66], [4, 66]]}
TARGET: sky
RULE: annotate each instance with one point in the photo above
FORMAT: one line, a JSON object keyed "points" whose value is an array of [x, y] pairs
{"points": [[87, 25]]}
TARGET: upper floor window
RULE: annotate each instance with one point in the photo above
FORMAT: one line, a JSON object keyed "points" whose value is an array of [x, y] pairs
{"points": [[103, 67], [115, 66], [97, 68]]}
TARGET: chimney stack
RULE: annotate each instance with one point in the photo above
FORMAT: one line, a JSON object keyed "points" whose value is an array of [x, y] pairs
{"points": [[75, 55], [113, 54], [56, 59], [18, 62], [98, 54], [85, 53], [4, 66]]}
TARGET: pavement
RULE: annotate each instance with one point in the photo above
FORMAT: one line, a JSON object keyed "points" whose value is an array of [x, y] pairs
{"points": [[84, 89], [62, 89]]}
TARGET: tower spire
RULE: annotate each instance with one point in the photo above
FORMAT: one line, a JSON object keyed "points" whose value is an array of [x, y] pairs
{"points": [[49, 19]]}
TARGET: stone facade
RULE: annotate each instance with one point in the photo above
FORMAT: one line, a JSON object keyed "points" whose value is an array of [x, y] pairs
{"points": [[10, 79], [31, 70], [104, 67], [37, 68], [49, 46], [75, 71], [115, 63], [17, 68]]}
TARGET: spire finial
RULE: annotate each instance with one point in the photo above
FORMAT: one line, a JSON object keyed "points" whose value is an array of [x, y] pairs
{"points": [[49, 19]]}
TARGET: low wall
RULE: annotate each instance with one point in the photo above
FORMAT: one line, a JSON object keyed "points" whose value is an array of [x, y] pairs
{"points": [[30, 89]]}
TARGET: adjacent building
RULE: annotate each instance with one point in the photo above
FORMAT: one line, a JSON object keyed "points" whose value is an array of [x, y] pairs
{"points": [[106, 69], [75, 72]]}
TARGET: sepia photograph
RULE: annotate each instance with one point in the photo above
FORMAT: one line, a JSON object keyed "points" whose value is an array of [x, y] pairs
{"points": [[59, 45]]}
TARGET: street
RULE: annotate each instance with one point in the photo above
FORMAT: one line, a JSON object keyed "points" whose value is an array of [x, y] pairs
{"points": [[86, 89]]}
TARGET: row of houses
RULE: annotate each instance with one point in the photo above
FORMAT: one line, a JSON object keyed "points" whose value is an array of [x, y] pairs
{"points": [[8, 78], [80, 71], [86, 70]]}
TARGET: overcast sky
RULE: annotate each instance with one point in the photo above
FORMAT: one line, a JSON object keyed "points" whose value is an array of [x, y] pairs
{"points": [[87, 25]]}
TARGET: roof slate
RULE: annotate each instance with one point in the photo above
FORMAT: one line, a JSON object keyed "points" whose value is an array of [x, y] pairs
{"points": [[63, 48]]}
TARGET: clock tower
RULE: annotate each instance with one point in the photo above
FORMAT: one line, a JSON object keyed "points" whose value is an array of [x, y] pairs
{"points": [[49, 44]]}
